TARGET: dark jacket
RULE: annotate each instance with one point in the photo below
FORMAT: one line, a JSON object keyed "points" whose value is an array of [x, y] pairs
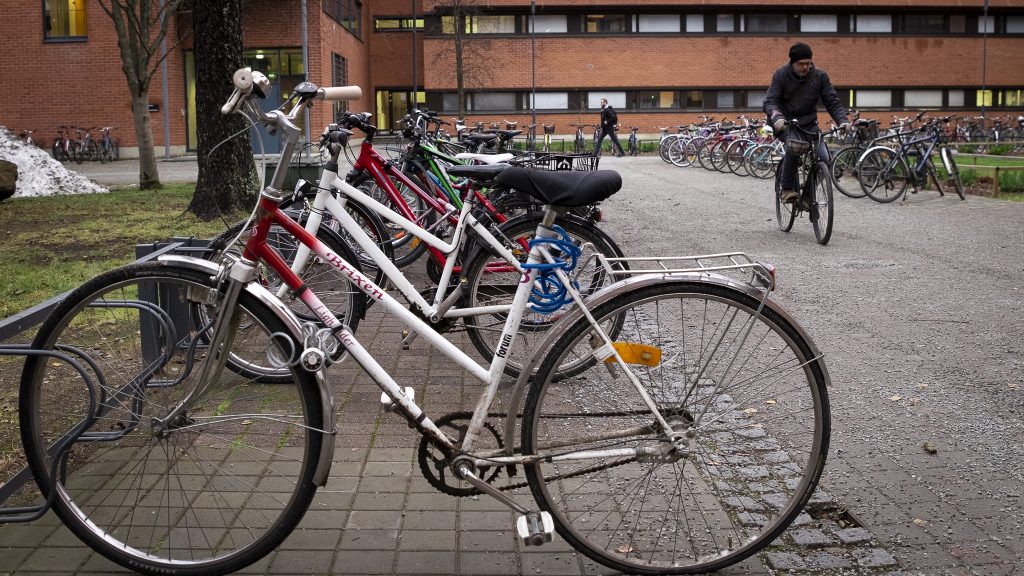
{"points": [[796, 97], [608, 118]]}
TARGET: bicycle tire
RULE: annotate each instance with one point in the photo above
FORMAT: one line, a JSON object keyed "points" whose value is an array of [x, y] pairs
{"points": [[664, 145], [103, 154], [822, 214], [949, 163], [719, 160], [733, 490], [115, 151], [785, 214], [234, 474], [933, 174], [678, 155], [488, 283], [762, 160], [883, 176], [735, 156], [844, 171], [703, 153], [75, 152]]}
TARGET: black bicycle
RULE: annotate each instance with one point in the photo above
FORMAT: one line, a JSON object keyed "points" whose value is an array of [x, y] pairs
{"points": [[885, 174], [634, 146], [814, 186]]}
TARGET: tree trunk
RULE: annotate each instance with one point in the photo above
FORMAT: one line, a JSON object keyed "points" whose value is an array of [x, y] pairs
{"points": [[227, 175], [149, 177]]}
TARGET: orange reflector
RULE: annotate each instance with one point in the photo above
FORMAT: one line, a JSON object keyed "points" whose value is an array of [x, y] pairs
{"points": [[634, 353]]}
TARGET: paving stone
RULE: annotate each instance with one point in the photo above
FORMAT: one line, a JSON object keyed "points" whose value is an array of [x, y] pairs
{"points": [[488, 563], [824, 560], [364, 561], [301, 562], [810, 538], [426, 540], [874, 558], [426, 562], [853, 536], [785, 561]]}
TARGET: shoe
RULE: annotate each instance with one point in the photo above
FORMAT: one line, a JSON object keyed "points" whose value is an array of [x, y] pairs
{"points": [[788, 196]]}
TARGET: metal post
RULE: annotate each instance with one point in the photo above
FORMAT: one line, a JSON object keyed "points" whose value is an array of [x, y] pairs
{"points": [[305, 70], [984, 61], [412, 104], [163, 79], [533, 68]]}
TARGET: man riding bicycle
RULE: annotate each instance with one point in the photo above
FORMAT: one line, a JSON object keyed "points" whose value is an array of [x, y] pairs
{"points": [[793, 95]]}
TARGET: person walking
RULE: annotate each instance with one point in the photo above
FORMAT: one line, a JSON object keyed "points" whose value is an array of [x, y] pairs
{"points": [[609, 122], [793, 96]]}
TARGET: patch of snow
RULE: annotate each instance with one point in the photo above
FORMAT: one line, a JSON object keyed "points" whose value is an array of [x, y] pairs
{"points": [[39, 174]]}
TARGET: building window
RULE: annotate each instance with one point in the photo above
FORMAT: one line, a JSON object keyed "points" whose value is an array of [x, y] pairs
{"points": [[986, 25], [1015, 24], [924, 24], [654, 99], [694, 22], [605, 24], [348, 13], [922, 98], [615, 99], [484, 101], [491, 24], [550, 24], [552, 100], [957, 24], [339, 77], [726, 99], [658, 23], [755, 98], [872, 23], [693, 99], [872, 98], [819, 23], [983, 98], [64, 18], [725, 23], [397, 24], [766, 23], [1013, 98], [955, 98]]}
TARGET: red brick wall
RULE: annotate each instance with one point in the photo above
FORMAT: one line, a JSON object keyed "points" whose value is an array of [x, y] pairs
{"points": [[80, 83]]}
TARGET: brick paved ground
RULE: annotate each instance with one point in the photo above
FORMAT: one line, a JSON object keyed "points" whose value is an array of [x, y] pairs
{"points": [[918, 309]]}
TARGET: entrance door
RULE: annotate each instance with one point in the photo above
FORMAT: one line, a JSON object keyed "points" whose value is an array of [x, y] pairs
{"points": [[393, 104]]}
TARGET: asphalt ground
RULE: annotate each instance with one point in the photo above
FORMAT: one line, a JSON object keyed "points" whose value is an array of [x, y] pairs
{"points": [[917, 306]]}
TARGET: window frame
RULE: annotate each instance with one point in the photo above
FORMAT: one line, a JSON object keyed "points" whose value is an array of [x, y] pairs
{"points": [[47, 20]]}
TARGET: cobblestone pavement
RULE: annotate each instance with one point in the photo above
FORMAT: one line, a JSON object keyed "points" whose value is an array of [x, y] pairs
{"points": [[917, 306]]}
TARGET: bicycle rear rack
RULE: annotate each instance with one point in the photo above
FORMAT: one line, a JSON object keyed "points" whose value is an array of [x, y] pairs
{"points": [[761, 274]]}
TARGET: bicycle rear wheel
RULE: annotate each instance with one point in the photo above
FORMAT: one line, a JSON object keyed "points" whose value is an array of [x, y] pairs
{"points": [[883, 176], [745, 389], [735, 156], [821, 211], [762, 160], [785, 214], [949, 163], [215, 489], [844, 171]]}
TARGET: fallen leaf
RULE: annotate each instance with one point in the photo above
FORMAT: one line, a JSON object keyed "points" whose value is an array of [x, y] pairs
{"points": [[929, 448], [770, 402], [895, 397], [750, 411], [625, 549], [920, 522], [922, 385]]}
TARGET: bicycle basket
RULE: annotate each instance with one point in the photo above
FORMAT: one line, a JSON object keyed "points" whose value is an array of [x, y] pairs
{"points": [[797, 147], [867, 131], [561, 162]]}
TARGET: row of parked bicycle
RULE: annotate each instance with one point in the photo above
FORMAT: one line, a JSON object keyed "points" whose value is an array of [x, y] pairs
{"points": [[178, 416], [865, 161], [79, 147]]}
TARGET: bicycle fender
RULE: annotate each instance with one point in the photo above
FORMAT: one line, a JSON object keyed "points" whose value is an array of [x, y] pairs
{"points": [[279, 309], [617, 289]]}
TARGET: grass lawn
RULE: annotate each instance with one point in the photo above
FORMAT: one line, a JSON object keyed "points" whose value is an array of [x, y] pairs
{"points": [[51, 244]]}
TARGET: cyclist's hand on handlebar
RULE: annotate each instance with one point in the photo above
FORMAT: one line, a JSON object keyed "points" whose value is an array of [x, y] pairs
{"points": [[779, 124]]}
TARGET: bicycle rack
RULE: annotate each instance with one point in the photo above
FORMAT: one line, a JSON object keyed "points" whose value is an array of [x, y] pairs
{"points": [[156, 317], [762, 274]]}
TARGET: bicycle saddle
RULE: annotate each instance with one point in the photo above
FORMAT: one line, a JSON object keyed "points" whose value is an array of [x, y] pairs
{"points": [[560, 188]]}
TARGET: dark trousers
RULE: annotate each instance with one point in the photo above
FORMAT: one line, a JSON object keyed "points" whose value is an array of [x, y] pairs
{"points": [[615, 140], [790, 162]]}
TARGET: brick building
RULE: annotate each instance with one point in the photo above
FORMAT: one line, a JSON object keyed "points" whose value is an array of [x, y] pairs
{"points": [[660, 62]]}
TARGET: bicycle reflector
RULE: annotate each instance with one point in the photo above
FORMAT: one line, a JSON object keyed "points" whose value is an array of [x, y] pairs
{"points": [[635, 353]]}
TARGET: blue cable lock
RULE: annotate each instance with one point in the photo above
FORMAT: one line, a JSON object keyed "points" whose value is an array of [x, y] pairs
{"points": [[550, 294]]}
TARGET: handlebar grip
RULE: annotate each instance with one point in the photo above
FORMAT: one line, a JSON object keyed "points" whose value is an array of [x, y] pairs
{"points": [[230, 104], [340, 93]]}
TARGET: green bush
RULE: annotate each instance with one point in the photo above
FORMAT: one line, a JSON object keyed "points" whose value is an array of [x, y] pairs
{"points": [[1011, 181], [967, 148], [1000, 149], [968, 177]]}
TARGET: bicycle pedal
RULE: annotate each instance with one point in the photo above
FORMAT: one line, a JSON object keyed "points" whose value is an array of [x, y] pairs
{"points": [[535, 528], [390, 406]]}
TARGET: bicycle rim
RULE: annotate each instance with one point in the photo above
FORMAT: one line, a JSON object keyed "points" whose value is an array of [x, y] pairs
{"points": [[785, 214], [745, 388], [822, 215]]}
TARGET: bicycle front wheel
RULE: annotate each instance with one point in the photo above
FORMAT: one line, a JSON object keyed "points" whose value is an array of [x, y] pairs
{"points": [[214, 489], [761, 161], [949, 163], [844, 171], [821, 211], [744, 394]]}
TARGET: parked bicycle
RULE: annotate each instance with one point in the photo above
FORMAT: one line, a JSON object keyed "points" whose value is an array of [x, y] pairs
{"points": [[177, 458], [64, 148], [886, 174], [633, 146], [814, 184], [109, 150]]}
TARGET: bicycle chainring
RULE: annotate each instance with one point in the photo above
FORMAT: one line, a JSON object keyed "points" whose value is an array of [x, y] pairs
{"points": [[437, 469]]}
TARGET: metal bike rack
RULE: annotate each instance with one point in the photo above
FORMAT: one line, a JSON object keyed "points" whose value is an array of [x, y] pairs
{"points": [[161, 316]]}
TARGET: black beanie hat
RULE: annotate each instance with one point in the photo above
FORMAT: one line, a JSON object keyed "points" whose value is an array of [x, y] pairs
{"points": [[799, 51]]}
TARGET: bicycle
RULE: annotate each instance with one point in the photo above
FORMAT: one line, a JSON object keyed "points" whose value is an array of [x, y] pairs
{"points": [[579, 143], [845, 161], [213, 469], [86, 146], [884, 173], [549, 129], [109, 150], [814, 185], [64, 149], [633, 147]]}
